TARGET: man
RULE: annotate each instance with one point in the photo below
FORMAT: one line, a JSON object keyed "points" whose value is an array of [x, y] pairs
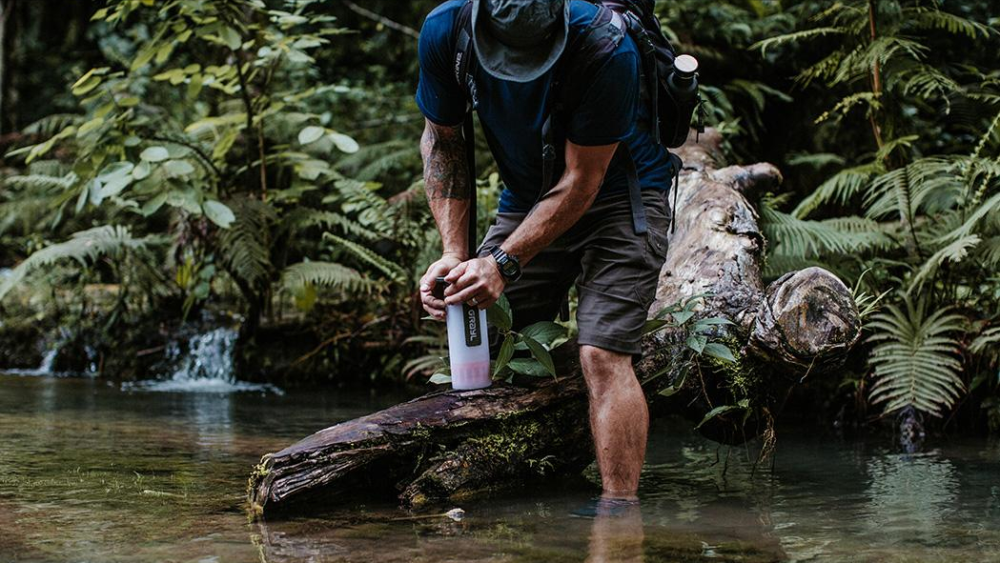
{"points": [[578, 231]]}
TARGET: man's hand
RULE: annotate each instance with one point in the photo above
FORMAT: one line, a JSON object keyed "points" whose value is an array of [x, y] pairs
{"points": [[477, 282], [442, 267]]}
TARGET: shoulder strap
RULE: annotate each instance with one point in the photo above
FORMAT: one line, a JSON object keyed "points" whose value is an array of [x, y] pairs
{"points": [[465, 56], [588, 53], [584, 56], [464, 67]]}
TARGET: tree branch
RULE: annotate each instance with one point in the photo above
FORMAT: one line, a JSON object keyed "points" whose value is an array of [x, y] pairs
{"points": [[382, 19]]}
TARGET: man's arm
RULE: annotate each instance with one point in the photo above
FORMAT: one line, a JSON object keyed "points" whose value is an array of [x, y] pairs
{"points": [[559, 210], [446, 183], [564, 204]]}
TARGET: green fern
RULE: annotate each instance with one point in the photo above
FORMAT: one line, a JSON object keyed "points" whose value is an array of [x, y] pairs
{"points": [[806, 238], [325, 274], [392, 270], [84, 246], [916, 360], [244, 247]]}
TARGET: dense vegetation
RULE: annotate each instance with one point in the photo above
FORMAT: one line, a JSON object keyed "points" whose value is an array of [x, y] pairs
{"points": [[259, 158]]}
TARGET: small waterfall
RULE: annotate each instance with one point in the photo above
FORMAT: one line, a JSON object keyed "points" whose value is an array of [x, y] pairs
{"points": [[204, 363], [44, 368]]}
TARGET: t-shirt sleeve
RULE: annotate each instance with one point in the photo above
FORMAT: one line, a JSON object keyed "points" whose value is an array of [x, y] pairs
{"points": [[607, 112], [438, 95]]}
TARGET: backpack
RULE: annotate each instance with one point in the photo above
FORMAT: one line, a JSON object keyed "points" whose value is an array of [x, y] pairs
{"points": [[670, 118]]}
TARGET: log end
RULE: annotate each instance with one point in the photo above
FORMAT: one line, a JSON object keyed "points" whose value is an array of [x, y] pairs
{"points": [[808, 321]]}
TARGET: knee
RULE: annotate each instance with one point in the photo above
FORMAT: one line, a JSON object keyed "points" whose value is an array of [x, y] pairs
{"points": [[601, 365]]}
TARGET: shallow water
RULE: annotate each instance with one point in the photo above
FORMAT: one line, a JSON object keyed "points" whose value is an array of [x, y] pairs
{"points": [[90, 472]]}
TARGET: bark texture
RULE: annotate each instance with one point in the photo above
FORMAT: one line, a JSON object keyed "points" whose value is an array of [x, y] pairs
{"points": [[450, 444]]}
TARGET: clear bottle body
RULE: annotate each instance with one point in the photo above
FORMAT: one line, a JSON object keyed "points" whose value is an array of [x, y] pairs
{"points": [[468, 347]]}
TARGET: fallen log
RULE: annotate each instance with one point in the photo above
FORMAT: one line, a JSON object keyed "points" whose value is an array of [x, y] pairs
{"points": [[450, 444]]}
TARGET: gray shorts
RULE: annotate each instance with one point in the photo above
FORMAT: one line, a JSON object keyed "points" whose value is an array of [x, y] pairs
{"points": [[615, 271]]}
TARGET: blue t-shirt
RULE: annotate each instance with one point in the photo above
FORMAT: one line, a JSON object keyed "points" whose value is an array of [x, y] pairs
{"points": [[512, 113]]}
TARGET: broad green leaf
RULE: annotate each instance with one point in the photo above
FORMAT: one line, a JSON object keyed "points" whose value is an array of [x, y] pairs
{"points": [[541, 354], [230, 37], [681, 317], [92, 125], [195, 85], [187, 200], [155, 154], [440, 378], [717, 411], [697, 342], [115, 169], [219, 213], [153, 205], [720, 351], [178, 168], [90, 80], [498, 314], [653, 325], [673, 389], [503, 357], [141, 171], [528, 366], [312, 169], [311, 134], [114, 185], [545, 332], [344, 143]]}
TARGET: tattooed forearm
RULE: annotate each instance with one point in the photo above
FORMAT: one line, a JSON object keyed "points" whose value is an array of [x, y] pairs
{"points": [[443, 151]]}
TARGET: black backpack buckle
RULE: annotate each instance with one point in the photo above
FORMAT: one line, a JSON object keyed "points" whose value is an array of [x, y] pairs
{"points": [[548, 152]]}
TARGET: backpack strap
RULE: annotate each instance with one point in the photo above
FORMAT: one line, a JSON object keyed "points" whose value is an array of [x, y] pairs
{"points": [[584, 57], [464, 68]]}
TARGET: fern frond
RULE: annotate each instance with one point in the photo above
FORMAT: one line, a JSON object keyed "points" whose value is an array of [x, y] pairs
{"points": [[933, 19], [840, 188], [41, 182], [916, 361], [989, 252], [83, 246], [954, 252], [392, 270], [53, 124], [306, 218], [989, 338], [244, 246], [807, 239], [327, 274], [795, 37]]}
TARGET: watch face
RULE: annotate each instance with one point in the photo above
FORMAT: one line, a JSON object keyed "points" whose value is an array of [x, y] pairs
{"points": [[510, 269]]}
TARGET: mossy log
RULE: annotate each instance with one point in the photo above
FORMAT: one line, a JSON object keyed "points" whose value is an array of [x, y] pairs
{"points": [[449, 444]]}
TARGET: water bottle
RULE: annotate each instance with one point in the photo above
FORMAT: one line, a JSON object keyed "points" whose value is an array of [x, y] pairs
{"points": [[468, 346], [679, 106]]}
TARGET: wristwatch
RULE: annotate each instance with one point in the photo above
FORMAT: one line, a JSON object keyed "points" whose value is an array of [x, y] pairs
{"points": [[509, 266]]}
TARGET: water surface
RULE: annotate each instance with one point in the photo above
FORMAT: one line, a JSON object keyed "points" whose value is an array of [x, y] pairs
{"points": [[91, 472]]}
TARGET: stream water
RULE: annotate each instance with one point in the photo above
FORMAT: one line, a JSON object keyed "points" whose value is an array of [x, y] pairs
{"points": [[93, 472]]}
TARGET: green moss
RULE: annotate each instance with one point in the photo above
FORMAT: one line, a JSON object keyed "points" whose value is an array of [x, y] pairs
{"points": [[509, 444], [259, 472], [743, 379]]}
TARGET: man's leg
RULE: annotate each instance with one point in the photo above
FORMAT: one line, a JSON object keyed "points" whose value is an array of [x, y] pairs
{"points": [[617, 283], [619, 419]]}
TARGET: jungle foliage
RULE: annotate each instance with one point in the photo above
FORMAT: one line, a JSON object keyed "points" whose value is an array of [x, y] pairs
{"points": [[261, 156]]}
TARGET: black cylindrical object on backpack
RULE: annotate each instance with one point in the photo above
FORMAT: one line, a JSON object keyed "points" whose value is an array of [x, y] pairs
{"points": [[679, 106]]}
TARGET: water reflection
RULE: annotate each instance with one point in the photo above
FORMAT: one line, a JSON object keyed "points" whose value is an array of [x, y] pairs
{"points": [[89, 473], [616, 534], [911, 496]]}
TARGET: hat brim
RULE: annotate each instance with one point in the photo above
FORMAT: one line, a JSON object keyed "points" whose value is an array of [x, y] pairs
{"points": [[517, 64]]}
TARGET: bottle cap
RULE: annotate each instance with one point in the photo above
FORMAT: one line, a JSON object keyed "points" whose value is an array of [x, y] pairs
{"points": [[438, 290], [686, 65]]}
